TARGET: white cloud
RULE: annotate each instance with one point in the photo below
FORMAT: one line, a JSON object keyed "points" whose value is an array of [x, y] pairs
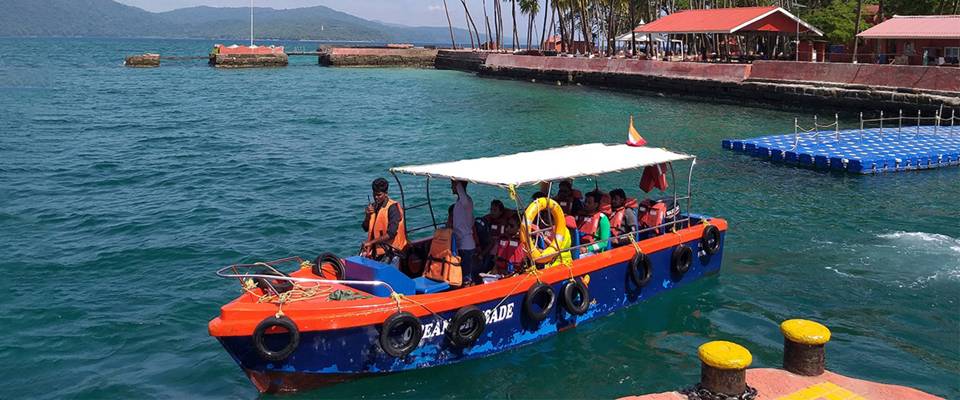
{"points": [[434, 8]]}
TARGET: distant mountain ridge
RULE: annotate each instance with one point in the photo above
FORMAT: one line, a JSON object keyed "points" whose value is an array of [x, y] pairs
{"points": [[107, 18]]}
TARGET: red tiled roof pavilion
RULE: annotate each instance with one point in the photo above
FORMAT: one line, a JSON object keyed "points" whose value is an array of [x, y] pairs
{"points": [[729, 20], [916, 27]]}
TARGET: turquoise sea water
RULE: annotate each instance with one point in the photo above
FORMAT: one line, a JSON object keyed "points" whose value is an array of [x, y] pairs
{"points": [[122, 190]]}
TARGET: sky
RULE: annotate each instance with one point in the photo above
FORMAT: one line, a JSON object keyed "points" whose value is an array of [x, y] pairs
{"points": [[406, 12]]}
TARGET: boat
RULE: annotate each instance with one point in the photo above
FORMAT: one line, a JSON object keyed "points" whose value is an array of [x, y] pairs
{"points": [[336, 319]]}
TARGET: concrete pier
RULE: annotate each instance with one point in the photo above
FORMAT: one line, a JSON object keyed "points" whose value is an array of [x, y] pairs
{"points": [[249, 60], [926, 88], [461, 60], [724, 373], [378, 57]]}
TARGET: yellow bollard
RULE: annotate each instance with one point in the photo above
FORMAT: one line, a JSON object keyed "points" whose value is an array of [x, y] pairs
{"points": [[724, 367], [804, 343]]}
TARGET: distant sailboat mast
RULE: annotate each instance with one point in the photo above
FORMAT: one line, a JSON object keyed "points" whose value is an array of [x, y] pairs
{"points": [[251, 23]]}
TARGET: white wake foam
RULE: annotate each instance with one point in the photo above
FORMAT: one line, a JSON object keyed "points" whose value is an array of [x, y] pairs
{"points": [[933, 245]]}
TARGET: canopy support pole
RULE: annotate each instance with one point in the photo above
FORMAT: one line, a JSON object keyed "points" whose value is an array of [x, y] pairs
{"points": [[403, 200]]}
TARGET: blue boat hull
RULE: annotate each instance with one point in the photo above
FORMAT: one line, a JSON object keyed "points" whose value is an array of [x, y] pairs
{"points": [[326, 357]]}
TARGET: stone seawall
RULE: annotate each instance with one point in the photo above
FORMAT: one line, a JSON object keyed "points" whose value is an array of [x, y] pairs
{"points": [[937, 79], [378, 57], [249, 60], [718, 81], [461, 60], [143, 61]]}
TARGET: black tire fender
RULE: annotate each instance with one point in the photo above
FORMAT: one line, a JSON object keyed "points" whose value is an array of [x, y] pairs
{"points": [[259, 338], [681, 259], [710, 241], [572, 291], [334, 261], [535, 292], [640, 270], [466, 326], [267, 285], [401, 334]]}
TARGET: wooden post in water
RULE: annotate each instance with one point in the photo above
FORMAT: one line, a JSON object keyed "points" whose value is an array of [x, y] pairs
{"points": [[804, 344]]}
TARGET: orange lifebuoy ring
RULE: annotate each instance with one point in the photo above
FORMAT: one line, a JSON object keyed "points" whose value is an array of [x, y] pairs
{"points": [[561, 235]]}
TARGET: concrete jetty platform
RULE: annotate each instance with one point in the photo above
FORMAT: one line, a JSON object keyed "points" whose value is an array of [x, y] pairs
{"points": [[378, 57], [865, 151], [776, 384], [796, 84], [461, 60], [724, 373]]}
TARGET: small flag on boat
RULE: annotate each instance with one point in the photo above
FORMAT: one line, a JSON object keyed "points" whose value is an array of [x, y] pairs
{"points": [[633, 137]]}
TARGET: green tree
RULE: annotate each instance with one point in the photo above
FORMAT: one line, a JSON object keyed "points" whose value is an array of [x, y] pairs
{"points": [[837, 20]]}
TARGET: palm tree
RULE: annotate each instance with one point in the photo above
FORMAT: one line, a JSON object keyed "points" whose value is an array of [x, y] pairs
{"points": [[470, 23], [487, 22], [449, 24], [531, 8], [546, 13], [513, 12], [856, 31]]}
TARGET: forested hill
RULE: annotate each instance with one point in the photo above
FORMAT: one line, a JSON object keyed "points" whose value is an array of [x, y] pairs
{"points": [[107, 18]]}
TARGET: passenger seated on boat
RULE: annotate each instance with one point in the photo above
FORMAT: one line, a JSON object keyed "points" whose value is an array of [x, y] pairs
{"points": [[490, 228], [509, 254], [385, 227], [623, 217], [595, 228], [569, 198]]}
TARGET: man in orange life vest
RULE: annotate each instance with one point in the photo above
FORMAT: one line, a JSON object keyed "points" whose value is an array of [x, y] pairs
{"points": [[384, 224], [595, 226], [623, 219]]}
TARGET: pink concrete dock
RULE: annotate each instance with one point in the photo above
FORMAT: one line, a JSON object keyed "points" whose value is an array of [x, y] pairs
{"points": [[778, 384]]}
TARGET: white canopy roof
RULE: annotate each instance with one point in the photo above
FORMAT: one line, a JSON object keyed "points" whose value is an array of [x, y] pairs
{"points": [[641, 37], [547, 165]]}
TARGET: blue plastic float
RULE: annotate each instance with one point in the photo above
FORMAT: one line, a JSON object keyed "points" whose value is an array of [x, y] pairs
{"points": [[864, 151]]}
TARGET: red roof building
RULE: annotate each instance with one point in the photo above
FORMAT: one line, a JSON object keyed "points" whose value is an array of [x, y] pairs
{"points": [[730, 20], [915, 40], [744, 33]]}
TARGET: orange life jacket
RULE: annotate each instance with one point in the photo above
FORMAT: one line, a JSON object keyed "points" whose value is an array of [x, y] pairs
{"points": [[567, 206], [616, 218], [653, 215], [495, 226], [442, 265], [508, 252], [588, 228], [377, 227]]}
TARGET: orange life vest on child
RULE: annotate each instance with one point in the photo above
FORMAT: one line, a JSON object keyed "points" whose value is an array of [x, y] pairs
{"points": [[377, 227], [442, 265], [616, 218]]}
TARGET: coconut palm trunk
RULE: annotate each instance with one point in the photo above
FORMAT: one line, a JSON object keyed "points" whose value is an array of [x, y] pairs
{"points": [[453, 41], [486, 20], [856, 31], [516, 35], [546, 12]]}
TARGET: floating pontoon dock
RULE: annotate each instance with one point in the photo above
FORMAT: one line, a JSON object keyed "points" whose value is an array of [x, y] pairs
{"points": [[888, 147]]}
